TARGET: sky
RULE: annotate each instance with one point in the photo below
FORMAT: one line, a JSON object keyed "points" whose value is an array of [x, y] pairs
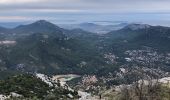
{"points": [[77, 11]]}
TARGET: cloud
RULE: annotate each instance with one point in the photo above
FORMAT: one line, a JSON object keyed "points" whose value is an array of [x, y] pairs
{"points": [[34, 9], [99, 6], [18, 1], [13, 18]]}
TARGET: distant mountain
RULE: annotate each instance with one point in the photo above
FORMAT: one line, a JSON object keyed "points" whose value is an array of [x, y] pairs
{"points": [[94, 28], [40, 26], [3, 30], [138, 35], [138, 30], [113, 58], [46, 48], [49, 49], [129, 31], [157, 37], [11, 24], [137, 26], [140, 45]]}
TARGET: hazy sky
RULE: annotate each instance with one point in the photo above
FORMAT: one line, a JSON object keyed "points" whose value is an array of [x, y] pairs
{"points": [[146, 11]]}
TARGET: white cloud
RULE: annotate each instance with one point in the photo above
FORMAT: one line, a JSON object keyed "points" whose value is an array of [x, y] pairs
{"points": [[17, 1], [53, 8], [46, 10], [87, 5], [12, 17]]}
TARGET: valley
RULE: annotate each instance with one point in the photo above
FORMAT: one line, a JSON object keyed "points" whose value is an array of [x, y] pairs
{"points": [[84, 50], [86, 65]]}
